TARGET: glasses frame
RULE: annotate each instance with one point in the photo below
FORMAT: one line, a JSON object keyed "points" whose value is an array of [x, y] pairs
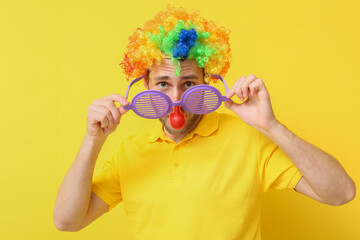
{"points": [[181, 102]]}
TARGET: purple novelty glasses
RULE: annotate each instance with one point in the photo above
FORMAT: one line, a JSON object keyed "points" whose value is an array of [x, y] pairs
{"points": [[199, 99]]}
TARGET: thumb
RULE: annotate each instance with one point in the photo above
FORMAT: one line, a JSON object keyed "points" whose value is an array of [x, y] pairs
{"points": [[230, 104], [122, 110]]}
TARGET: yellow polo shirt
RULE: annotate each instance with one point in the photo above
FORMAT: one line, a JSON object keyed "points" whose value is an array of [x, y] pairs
{"points": [[208, 186]]}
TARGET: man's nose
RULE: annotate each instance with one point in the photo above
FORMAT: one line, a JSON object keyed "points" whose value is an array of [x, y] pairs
{"points": [[176, 94]]}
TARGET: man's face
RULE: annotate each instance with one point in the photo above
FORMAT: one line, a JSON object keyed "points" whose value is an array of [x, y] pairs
{"points": [[163, 78]]}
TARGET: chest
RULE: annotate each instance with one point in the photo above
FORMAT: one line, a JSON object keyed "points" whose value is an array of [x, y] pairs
{"points": [[192, 174]]}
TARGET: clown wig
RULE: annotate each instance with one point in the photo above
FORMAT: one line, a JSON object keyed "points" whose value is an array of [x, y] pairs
{"points": [[179, 35]]}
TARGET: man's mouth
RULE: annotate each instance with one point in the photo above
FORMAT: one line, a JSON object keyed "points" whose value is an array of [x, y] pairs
{"points": [[186, 116]]}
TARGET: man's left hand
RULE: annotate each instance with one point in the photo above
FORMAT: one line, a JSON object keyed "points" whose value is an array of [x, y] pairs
{"points": [[256, 111]]}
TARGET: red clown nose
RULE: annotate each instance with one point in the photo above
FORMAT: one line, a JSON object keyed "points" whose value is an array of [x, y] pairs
{"points": [[177, 118]]}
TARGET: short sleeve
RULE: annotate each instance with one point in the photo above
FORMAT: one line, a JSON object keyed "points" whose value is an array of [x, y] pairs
{"points": [[276, 169], [106, 181]]}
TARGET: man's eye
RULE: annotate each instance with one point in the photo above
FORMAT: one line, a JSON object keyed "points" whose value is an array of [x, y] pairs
{"points": [[189, 84], [163, 84]]}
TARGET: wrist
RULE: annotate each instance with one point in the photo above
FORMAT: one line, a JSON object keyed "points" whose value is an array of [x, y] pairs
{"points": [[94, 140], [271, 129]]}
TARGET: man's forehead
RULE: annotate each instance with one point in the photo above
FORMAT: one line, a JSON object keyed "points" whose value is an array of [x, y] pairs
{"points": [[182, 77], [166, 69]]}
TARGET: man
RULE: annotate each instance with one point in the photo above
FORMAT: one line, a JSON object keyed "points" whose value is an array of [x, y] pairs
{"points": [[203, 181]]}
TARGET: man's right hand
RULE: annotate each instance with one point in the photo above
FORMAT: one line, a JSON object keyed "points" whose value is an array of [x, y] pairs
{"points": [[103, 116]]}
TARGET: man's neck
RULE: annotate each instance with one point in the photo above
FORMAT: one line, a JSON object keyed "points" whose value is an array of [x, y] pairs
{"points": [[178, 137]]}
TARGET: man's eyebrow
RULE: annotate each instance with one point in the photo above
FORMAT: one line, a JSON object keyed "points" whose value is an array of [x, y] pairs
{"points": [[187, 77], [159, 78]]}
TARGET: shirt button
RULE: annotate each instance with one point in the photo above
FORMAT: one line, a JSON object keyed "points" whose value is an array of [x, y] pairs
{"points": [[176, 164]]}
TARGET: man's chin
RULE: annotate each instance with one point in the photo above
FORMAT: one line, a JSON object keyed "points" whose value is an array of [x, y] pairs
{"points": [[166, 125], [189, 124]]}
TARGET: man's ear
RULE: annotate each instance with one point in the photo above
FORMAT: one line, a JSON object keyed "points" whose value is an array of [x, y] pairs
{"points": [[146, 82], [203, 70]]}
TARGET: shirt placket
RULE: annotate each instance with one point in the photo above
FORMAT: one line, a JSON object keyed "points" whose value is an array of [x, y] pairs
{"points": [[176, 167]]}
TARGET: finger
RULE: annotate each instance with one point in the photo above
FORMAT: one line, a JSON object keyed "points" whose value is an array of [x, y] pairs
{"points": [[122, 110], [114, 111], [234, 87], [228, 104], [97, 102], [231, 105], [255, 86], [238, 88], [246, 83], [98, 117], [116, 98], [105, 111], [231, 92]]}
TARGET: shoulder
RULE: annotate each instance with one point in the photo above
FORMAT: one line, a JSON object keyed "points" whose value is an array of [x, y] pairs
{"points": [[228, 118], [234, 124], [135, 141]]}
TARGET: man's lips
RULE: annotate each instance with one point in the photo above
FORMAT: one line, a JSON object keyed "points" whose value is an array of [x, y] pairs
{"points": [[186, 116]]}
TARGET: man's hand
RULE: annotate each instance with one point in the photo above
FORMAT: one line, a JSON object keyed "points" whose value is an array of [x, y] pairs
{"points": [[256, 111], [103, 116]]}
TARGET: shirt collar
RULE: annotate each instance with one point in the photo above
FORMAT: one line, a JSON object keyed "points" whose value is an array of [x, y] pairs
{"points": [[208, 124]]}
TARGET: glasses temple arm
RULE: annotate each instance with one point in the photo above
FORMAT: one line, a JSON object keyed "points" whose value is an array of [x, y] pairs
{"points": [[132, 83], [223, 81]]}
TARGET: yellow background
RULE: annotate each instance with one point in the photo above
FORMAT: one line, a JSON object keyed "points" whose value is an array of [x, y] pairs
{"points": [[56, 57]]}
